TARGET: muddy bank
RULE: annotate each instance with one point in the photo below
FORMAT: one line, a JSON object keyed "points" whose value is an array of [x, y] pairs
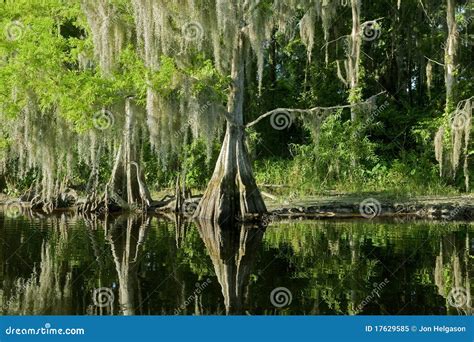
{"points": [[447, 208], [333, 207]]}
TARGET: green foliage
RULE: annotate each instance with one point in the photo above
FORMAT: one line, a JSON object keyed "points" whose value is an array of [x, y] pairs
{"points": [[46, 49], [196, 164]]}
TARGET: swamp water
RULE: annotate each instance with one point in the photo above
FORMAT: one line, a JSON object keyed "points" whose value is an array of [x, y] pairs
{"points": [[134, 265]]}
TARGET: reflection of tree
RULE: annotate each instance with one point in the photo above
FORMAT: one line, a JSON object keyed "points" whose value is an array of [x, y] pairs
{"points": [[330, 267], [452, 274], [232, 251], [126, 237], [338, 265], [326, 263], [49, 288]]}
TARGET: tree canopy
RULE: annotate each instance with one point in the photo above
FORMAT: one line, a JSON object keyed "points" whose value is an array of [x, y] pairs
{"points": [[117, 96]]}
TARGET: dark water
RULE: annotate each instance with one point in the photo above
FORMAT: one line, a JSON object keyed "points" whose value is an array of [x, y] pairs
{"points": [[154, 266]]}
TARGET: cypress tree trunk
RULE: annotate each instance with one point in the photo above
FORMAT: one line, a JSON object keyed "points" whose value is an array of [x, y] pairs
{"points": [[450, 53], [232, 193], [127, 186], [354, 57]]}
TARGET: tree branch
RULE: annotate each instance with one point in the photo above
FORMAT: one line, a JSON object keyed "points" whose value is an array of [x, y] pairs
{"points": [[305, 111], [333, 41], [432, 60]]}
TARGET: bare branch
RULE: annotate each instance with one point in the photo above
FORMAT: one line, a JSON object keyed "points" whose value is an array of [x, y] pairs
{"points": [[305, 111], [339, 74], [432, 60], [333, 41]]}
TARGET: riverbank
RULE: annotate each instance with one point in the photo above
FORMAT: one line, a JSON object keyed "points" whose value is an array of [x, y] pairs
{"points": [[341, 206], [376, 205]]}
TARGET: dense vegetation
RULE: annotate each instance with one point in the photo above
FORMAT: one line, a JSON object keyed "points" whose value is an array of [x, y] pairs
{"points": [[112, 97]]}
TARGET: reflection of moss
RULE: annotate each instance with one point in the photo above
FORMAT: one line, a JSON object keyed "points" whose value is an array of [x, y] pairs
{"points": [[339, 262], [330, 267], [44, 292]]}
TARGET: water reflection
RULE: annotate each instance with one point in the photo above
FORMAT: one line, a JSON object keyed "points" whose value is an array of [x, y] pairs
{"points": [[126, 236], [233, 251], [452, 274], [157, 265]]}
